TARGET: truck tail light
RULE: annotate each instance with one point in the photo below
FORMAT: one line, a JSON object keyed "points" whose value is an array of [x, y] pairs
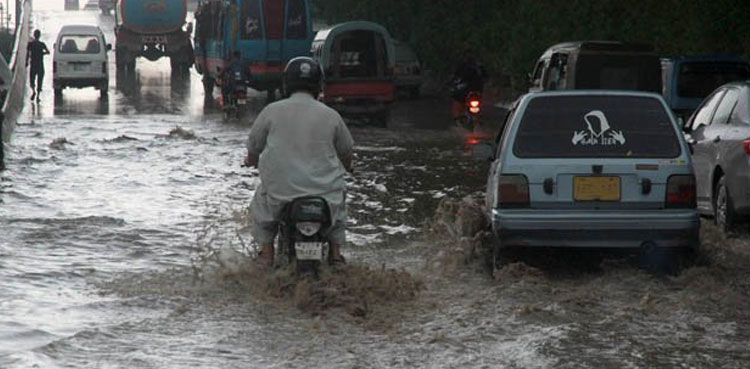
{"points": [[54, 67], [513, 191], [746, 146], [681, 191], [104, 67]]}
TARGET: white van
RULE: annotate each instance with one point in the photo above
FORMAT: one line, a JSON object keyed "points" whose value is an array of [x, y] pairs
{"points": [[80, 59]]}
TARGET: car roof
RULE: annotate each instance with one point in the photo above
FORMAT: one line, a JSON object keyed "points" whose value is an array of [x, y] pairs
{"points": [[600, 46], [706, 57], [745, 83], [80, 28], [635, 93]]}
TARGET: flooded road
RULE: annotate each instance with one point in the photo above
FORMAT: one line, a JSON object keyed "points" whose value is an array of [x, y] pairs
{"points": [[126, 245]]}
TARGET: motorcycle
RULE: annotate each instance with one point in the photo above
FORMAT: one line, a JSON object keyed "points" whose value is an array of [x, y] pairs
{"points": [[233, 104], [472, 107], [471, 101], [303, 234]]}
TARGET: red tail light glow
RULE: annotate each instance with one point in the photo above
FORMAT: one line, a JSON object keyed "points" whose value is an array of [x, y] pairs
{"points": [[474, 105], [681, 191], [513, 191], [746, 146]]}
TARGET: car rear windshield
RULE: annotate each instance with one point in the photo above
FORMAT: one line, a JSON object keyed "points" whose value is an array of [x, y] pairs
{"points": [[596, 126], [699, 79], [621, 72], [79, 44]]}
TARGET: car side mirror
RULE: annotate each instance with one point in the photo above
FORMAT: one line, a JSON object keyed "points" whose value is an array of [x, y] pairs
{"points": [[109, 47], [691, 142]]}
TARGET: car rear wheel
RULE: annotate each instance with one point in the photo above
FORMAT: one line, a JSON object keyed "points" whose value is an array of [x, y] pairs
{"points": [[724, 216], [502, 256]]}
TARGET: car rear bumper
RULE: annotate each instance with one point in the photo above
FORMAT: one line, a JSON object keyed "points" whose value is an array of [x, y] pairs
{"points": [[79, 82], [607, 229]]}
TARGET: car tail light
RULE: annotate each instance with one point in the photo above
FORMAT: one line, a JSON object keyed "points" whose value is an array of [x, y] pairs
{"points": [[746, 146], [681, 191], [474, 105], [104, 67], [54, 67], [513, 191]]}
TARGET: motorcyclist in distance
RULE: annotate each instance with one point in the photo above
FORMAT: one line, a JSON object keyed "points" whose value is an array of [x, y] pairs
{"points": [[469, 76], [236, 65], [301, 148]]}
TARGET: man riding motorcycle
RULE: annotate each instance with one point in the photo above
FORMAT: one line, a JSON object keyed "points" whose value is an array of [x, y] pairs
{"points": [[236, 67], [301, 148], [468, 77]]}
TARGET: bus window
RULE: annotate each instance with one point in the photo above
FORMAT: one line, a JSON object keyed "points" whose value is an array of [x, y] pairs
{"points": [[273, 15], [296, 20], [250, 17]]}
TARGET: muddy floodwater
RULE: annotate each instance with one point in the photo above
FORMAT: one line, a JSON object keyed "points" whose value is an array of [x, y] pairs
{"points": [[126, 244]]}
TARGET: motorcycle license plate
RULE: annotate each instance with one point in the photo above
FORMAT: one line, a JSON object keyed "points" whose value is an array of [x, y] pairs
{"points": [[241, 102], [309, 250]]}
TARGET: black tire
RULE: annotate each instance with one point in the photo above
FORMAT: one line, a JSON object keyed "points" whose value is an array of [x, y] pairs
{"points": [[382, 119], [725, 217], [414, 92], [670, 261], [308, 268], [208, 87], [500, 257]]}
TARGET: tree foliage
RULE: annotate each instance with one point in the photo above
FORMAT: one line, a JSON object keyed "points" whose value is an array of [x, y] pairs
{"points": [[509, 35]]}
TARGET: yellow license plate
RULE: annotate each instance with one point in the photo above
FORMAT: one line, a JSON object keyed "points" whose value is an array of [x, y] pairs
{"points": [[596, 188]]}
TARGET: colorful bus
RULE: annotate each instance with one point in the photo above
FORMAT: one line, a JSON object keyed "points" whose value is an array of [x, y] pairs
{"points": [[267, 33]]}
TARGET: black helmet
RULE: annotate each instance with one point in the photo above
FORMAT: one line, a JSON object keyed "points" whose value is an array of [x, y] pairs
{"points": [[302, 73]]}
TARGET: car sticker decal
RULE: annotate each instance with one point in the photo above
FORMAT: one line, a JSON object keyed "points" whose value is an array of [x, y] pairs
{"points": [[604, 135]]}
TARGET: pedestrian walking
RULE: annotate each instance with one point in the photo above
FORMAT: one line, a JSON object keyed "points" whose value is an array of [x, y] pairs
{"points": [[35, 52]]}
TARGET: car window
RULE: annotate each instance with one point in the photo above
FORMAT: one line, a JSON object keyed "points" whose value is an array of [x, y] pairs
{"points": [[703, 115], [79, 44], [596, 126], [698, 79], [536, 79], [726, 106], [556, 72], [503, 132]]}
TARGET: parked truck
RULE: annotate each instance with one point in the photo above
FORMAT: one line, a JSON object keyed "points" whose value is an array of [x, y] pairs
{"points": [[152, 29]]}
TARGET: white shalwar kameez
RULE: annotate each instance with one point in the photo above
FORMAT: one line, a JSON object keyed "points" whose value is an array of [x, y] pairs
{"points": [[300, 144]]}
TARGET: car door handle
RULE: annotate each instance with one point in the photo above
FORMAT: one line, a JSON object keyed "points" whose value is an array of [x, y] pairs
{"points": [[717, 138]]}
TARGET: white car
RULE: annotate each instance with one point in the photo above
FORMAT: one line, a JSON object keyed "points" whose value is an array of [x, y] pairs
{"points": [[80, 59]]}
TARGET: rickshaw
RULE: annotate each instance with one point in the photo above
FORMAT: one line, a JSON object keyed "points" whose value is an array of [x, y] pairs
{"points": [[357, 59]]}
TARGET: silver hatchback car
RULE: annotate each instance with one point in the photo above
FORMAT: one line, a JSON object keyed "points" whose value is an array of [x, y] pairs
{"points": [[603, 169]]}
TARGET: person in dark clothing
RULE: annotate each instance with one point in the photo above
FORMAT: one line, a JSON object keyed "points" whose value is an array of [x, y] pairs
{"points": [[236, 72], [35, 52], [468, 77]]}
